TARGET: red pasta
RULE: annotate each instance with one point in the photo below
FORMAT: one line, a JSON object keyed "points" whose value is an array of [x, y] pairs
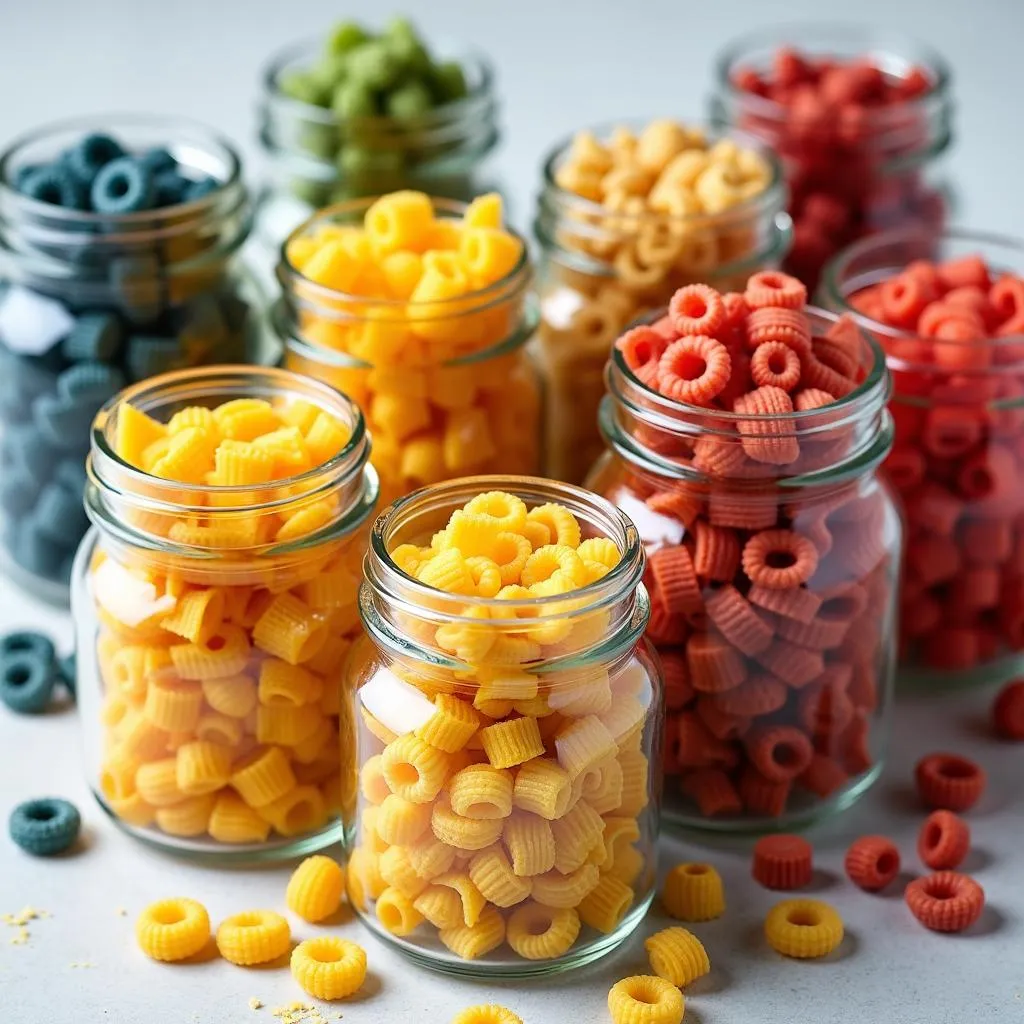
{"points": [[698, 748], [678, 691], [779, 752], [721, 722], [794, 665], [946, 901], [949, 782], [782, 862], [944, 841], [775, 289], [642, 348], [872, 862], [677, 504], [789, 327], [762, 797], [716, 554], [675, 583], [714, 792], [738, 621], [794, 603], [775, 364], [759, 695], [694, 369], [779, 559], [823, 776], [1008, 712], [697, 309], [766, 437], [714, 665]]}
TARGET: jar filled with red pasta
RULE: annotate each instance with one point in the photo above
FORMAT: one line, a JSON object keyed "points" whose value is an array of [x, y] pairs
{"points": [[420, 310], [860, 120], [949, 311], [744, 433], [507, 729], [215, 602], [628, 214]]}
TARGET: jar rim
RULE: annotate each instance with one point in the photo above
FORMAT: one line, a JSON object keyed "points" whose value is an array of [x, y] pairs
{"points": [[898, 47], [110, 470], [834, 274], [773, 195], [273, 68], [142, 221], [476, 301], [401, 590], [874, 389]]}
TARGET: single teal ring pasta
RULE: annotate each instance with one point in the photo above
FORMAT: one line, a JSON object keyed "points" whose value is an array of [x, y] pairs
{"points": [[26, 682], [45, 826]]}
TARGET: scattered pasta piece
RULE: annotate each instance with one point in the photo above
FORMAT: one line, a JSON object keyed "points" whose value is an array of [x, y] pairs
{"points": [[693, 892], [329, 968], [944, 841], [782, 862], [872, 862], [173, 929], [946, 901], [678, 956], [645, 1000], [487, 1014], [803, 929], [1008, 711], [253, 937], [949, 782]]}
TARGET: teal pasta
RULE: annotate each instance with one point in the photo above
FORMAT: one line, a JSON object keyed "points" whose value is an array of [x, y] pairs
{"points": [[45, 827]]}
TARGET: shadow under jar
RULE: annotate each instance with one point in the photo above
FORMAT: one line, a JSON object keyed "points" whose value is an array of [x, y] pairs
{"points": [[773, 553], [602, 266], [447, 387], [318, 158], [958, 409], [852, 167], [92, 301], [572, 860], [210, 646]]}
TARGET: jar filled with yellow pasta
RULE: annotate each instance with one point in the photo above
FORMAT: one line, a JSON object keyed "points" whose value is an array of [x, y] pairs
{"points": [[420, 310], [215, 601], [628, 214], [507, 727]]}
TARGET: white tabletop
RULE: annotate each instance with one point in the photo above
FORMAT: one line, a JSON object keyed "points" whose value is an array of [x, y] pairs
{"points": [[561, 65]]}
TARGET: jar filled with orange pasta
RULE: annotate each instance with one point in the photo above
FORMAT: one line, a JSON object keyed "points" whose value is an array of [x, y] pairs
{"points": [[744, 438], [627, 214], [420, 310], [507, 717], [215, 601]]}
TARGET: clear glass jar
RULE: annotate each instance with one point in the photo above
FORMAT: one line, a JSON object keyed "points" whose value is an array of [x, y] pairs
{"points": [[317, 159], [602, 269], [958, 408], [447, 388], [250, 718], [155, 291], [847, 177], [591, 663], [778, 699]]}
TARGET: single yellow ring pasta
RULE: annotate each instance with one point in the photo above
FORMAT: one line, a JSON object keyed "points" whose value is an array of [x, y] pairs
{"points": [[328, 967], [489, 1014], [644, 999], [537, 932], [253, 937], [172, 929], [315, 888], [804, 929]]}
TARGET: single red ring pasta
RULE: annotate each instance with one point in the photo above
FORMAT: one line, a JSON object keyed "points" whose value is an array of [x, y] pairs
{"points": [[773, 288], [949, 782], [694, 369], [779, 752], [779, 559], [775, 364], [1008, 711], [788, 326], [697, 309], [946, 901], [872, 862], [782, 862], [943, 841]]}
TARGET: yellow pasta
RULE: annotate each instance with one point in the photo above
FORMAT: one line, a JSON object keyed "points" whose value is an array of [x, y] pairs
{"points": [[558, 890], [628, 866], [473, 941], [804, 929], [202, 767], [172, 929], [284, 684], [620, 832], [634, 797], [234, 696], [606, 905], [328, 967], [441, 906], [430, 857], [187, 818], [512, 742], [542, 787], [645, 1000], [678, 956], [287, 725], [537, 932], [133, 810], [263, 776], [315, 888], [460, 832], [225, 653], [584, 743], [473, 901], [372, 783], [530, 843], [253, 937], [396, 869], [578, 832], [401, 822], [198, 615], [413, 769], [489, 1014], [481, 791], [157, 783], [491, 872], [173, 705], [693, 892], [232, 820], [396, 912], [300, 810]]}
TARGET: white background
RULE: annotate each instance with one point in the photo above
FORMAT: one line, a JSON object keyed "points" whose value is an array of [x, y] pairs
{"points": [[561, 65]]}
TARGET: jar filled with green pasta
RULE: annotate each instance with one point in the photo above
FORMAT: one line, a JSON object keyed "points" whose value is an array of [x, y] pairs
{"points": [[363, 112]]}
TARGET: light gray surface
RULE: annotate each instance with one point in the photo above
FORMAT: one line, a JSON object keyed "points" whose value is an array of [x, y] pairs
{"points": [[561, 65]]}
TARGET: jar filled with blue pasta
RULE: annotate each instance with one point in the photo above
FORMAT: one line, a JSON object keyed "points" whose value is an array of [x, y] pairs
{"points": [[119, 259]]}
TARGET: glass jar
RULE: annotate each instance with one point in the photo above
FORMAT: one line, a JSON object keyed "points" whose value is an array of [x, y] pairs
{"points": [[317, 158], [601, 269], [89, 302], [958, 408], [209, 658], [848, 176], [584, 656], [778, 699], [447, 388]]}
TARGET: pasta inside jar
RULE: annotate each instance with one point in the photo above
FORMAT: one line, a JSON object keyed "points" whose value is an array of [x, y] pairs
{"points": [[216, 607], [772, 550], [507, 718]]}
